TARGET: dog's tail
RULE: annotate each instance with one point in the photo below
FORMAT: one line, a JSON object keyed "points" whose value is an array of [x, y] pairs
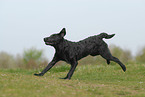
{"points": [[105, 35]]}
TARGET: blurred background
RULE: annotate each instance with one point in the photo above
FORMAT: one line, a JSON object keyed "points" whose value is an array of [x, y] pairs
{"points": [[24, 24]]}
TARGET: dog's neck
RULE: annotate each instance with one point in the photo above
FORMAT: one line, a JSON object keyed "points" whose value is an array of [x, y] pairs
{"points": [[59, 46]]}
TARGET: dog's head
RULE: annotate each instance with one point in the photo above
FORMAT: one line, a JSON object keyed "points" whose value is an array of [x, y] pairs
{"points": [[54, 39]]}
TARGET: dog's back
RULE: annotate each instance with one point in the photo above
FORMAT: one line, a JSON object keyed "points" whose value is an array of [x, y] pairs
{"points": [[96, 40]]}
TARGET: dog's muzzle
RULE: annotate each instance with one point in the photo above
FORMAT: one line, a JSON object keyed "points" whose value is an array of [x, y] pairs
{"points": [[47, 42]]}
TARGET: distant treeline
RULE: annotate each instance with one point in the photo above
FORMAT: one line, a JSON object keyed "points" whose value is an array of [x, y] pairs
{"points": [[33, 58]]}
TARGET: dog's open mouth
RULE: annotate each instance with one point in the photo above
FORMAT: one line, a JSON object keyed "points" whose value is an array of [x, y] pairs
{"points": [[48, 43]]}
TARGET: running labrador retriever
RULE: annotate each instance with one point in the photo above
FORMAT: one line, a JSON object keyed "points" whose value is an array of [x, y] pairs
{"points": [[71, 52]]}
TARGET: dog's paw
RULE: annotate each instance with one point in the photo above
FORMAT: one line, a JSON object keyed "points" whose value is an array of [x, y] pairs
{"points": [[124, 69], [40, 74], [65, 78]]}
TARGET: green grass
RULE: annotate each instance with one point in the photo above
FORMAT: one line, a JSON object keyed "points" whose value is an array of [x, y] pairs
{"points": [[87, 81]]}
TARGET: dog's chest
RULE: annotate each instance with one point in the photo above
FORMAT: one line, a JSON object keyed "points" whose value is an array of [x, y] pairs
{"points": [[65, 55]]}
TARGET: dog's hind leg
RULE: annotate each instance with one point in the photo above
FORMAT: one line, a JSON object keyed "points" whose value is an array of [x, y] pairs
{"points": [[119, 62], [105, 53], [71, 71]]}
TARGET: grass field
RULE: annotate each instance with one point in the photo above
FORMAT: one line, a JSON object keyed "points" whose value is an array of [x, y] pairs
{"points": [[87, 81]]}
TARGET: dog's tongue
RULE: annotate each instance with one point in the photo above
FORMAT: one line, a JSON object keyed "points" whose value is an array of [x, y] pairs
{"points": [[48, 43]]}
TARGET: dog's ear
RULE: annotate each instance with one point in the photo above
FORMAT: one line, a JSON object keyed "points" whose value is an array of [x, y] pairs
{"points": [[62, 32]]}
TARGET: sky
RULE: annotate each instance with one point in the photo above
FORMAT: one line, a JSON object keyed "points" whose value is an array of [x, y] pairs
{"points": [[24, 23]]}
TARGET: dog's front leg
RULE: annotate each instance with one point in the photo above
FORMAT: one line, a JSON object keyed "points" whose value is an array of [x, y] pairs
{"points": [[49, 66], [71, 71]]}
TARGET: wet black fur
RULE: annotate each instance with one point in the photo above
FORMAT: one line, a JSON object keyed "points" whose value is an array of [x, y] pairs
{"points": [[71, 52]]}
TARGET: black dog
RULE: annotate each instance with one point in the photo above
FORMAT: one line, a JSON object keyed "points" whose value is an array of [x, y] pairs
{"points": [[71, 52]]}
